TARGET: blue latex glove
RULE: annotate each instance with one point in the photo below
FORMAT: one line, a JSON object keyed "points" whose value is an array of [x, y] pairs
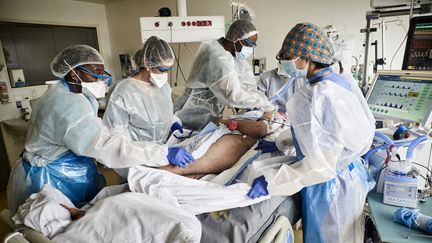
{"points": [[259, 188], [176, 126], [413, 219], [266, 146], [179, 156]]}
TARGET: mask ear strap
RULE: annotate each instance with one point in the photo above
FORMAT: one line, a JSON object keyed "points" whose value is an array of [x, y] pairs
{"points": [[235, 48], [74, 73]]}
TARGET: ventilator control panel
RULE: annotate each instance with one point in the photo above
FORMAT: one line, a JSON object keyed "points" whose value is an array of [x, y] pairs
{"points": [[404, 97]]}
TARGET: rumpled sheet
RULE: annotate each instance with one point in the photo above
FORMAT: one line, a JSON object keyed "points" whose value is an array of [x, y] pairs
{"points": [[113, 216], [133, 217], [42, 212], [194, 196]]}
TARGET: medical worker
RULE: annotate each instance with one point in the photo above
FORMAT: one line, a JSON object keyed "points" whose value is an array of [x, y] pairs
{"points": [[331, 127], [221, 76], [278, 84], [142, 104], [65, 135]]}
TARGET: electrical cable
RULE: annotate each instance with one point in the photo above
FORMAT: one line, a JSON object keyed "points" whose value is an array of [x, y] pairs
{"points": [[391, 62], [179, 67], [177, 70], [422, 166]]}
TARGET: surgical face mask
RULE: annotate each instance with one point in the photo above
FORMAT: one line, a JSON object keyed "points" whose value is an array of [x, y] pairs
{"points": [[245, 52], [98, 88], [281, 70], [290, 67], [159, 79]]}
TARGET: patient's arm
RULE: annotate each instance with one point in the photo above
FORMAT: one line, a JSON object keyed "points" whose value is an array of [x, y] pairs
{"points": [[256, 129], [220, 156], [74, 212]]}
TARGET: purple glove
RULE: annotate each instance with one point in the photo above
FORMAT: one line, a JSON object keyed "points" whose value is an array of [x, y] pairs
{"points": [[176, 126], [259, 188], [266, 146]]}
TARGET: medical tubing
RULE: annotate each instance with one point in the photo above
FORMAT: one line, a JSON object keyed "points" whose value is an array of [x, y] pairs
{"points": [[397, 144], [372, 151], [383, 146], [385, 138], [402, 144], [410, 151], [282, 90]]}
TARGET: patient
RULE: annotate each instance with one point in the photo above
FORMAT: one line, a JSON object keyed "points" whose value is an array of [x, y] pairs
{"points": [[228, 149]]}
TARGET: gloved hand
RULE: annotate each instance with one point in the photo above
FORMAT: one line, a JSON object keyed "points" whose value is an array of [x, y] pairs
{"points": [[259, 188], [266, 146], [176, 126], [179, 156]]}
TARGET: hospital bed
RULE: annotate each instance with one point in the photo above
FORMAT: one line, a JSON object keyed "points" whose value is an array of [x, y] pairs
{"points": [[20, 233], [267, 221], [230, 226]]}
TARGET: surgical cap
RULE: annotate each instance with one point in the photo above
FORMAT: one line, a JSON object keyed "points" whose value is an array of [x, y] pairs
{"points": [[240, 30], [155, 53], [309, 42], [72, 57]]}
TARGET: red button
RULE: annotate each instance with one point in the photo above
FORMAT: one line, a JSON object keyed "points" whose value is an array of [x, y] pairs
{"points": [[156, 24], [188, 23]]}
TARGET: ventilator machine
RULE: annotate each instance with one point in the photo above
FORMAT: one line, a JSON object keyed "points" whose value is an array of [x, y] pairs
{"points": [[400, 158]]}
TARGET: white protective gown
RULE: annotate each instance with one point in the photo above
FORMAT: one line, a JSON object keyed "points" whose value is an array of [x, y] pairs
{"points": [[141, 108], [332, 128], [215, 82], [329, 135], [64, 125], [64, 121]]}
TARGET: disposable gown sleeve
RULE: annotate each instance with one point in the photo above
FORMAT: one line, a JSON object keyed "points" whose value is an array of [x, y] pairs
{"points": [[229, 92], [112, 147], [262, 85], [319, 133], [176, 119], [116, 113], [284, 141]]}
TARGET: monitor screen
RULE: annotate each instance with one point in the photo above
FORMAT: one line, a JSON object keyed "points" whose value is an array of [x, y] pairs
{"points": [[418, 52], [405, 97]]}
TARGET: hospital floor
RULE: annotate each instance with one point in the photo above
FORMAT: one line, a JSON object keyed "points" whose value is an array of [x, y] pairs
{"points": [[111, 179]]}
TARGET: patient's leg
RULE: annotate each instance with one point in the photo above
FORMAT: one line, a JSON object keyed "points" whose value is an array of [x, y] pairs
{"points": [[220, 156]]}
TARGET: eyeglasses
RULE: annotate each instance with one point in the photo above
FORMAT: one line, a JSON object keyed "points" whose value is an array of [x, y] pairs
{"points": [[107, 77], [249, 43]]}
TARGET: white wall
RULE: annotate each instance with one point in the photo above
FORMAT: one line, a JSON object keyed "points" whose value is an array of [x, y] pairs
{"points": [[119, 31], [274, 18], [123, 23], [62, 12]]}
